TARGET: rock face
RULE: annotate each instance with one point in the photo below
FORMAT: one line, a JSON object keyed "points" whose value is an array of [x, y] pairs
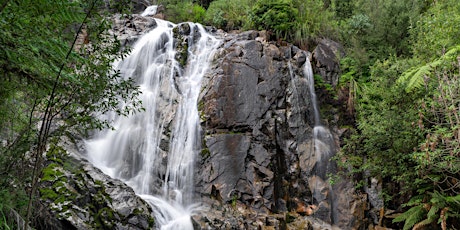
{"points": [[257, 158], [255, 168], [77, 195], [257, 122], [326, 58], [253, 121], [128, 28]]}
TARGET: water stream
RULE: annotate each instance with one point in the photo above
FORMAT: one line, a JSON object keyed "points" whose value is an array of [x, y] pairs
{"points": [[323, 148], [154, 151]]}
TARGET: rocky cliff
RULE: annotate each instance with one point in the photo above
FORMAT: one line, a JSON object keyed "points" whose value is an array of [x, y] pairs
{"points": [[256, 166], [257, 123]]}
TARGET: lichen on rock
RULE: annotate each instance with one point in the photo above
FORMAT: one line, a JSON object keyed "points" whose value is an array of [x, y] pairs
{"points": [[79, 196]]}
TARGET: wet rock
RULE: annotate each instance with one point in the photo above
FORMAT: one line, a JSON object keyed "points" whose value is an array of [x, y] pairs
{"points": [[255, 110], [326, 57], [257, 121], [374, 189], [76, 195], [226, 163], [128, 28]]}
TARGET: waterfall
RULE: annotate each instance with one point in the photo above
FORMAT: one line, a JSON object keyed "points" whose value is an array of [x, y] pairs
{"points": [[149, 11], [323, 148], [154, 151]]}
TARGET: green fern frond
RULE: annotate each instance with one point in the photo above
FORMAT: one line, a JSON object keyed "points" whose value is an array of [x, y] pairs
{"points": [[437, 199], [418, 78], [415, 200], [411, 216], [433, 214], [453, 199], [414, 78]]}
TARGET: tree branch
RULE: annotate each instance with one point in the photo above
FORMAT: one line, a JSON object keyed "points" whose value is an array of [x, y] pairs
{"points": [[48, 118]]}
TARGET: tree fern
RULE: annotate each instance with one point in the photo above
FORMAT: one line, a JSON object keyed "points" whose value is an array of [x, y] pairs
{"points": [[415, 77], [431, 216]]}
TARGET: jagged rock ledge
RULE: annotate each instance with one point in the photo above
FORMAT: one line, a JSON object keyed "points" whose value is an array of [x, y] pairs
{"points": [[76, 195]]}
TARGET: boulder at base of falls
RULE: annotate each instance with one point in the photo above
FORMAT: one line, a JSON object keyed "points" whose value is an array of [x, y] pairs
{"points": [[76, 195]]}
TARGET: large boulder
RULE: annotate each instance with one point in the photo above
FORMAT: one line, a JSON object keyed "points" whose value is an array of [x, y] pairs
{"points": [[76, 195]]}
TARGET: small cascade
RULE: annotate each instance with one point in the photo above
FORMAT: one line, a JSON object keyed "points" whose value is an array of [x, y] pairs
{"points": [[323, 145], [150, 11], [154, 151]]}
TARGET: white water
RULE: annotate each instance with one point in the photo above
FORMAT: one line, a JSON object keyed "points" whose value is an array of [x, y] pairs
{"points": [[150, 11], [323, 149], [157, 164], [322, 137]]}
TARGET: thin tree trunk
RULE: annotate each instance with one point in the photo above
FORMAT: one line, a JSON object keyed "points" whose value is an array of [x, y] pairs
{"points": [[46, 123]]}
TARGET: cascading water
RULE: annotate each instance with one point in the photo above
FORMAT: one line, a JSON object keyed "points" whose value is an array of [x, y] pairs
{"points": [[154, 151], [323, 148]]}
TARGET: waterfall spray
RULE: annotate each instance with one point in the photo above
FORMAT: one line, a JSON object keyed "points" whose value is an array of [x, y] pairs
{"points": [[154, 151], [323, 148]]}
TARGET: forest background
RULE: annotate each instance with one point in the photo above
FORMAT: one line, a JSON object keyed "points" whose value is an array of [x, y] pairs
{"points": [[401, 74]]}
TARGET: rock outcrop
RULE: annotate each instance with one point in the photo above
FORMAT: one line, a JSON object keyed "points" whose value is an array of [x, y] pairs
{"points": [[76, 195], [257, 120], [256, 165], [128, 28], [326, 59]]}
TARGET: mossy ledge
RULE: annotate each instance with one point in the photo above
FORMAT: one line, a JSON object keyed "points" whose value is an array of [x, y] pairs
{"points": [[78, 196]]}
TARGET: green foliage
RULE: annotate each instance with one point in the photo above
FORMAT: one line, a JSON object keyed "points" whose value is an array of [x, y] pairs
{"points": [[411, 216], [314, 20], [408, 115], [343, 9], [436, 30], [437, 210], [276, 16], [228, 15], [184, 11], [385, 138], [55, 73], [299, 22], [359, 24], [372, 31], [385, 33], [416, 77]]}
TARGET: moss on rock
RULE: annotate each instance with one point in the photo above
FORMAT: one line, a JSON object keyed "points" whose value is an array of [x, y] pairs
{"points": [[76, 193]]}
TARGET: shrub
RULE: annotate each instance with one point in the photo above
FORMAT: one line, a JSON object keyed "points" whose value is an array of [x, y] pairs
{"points": [[276, 16], [228, 15]]}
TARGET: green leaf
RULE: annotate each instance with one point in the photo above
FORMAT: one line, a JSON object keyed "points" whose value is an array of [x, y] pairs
{"points": [[411, 216]]}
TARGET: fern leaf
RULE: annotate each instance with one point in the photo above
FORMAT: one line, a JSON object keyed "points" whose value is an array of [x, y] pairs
{"points": [[433, 213], [415, 200], [422, 223], [414, 78], [453, 199], [411, 216]]}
